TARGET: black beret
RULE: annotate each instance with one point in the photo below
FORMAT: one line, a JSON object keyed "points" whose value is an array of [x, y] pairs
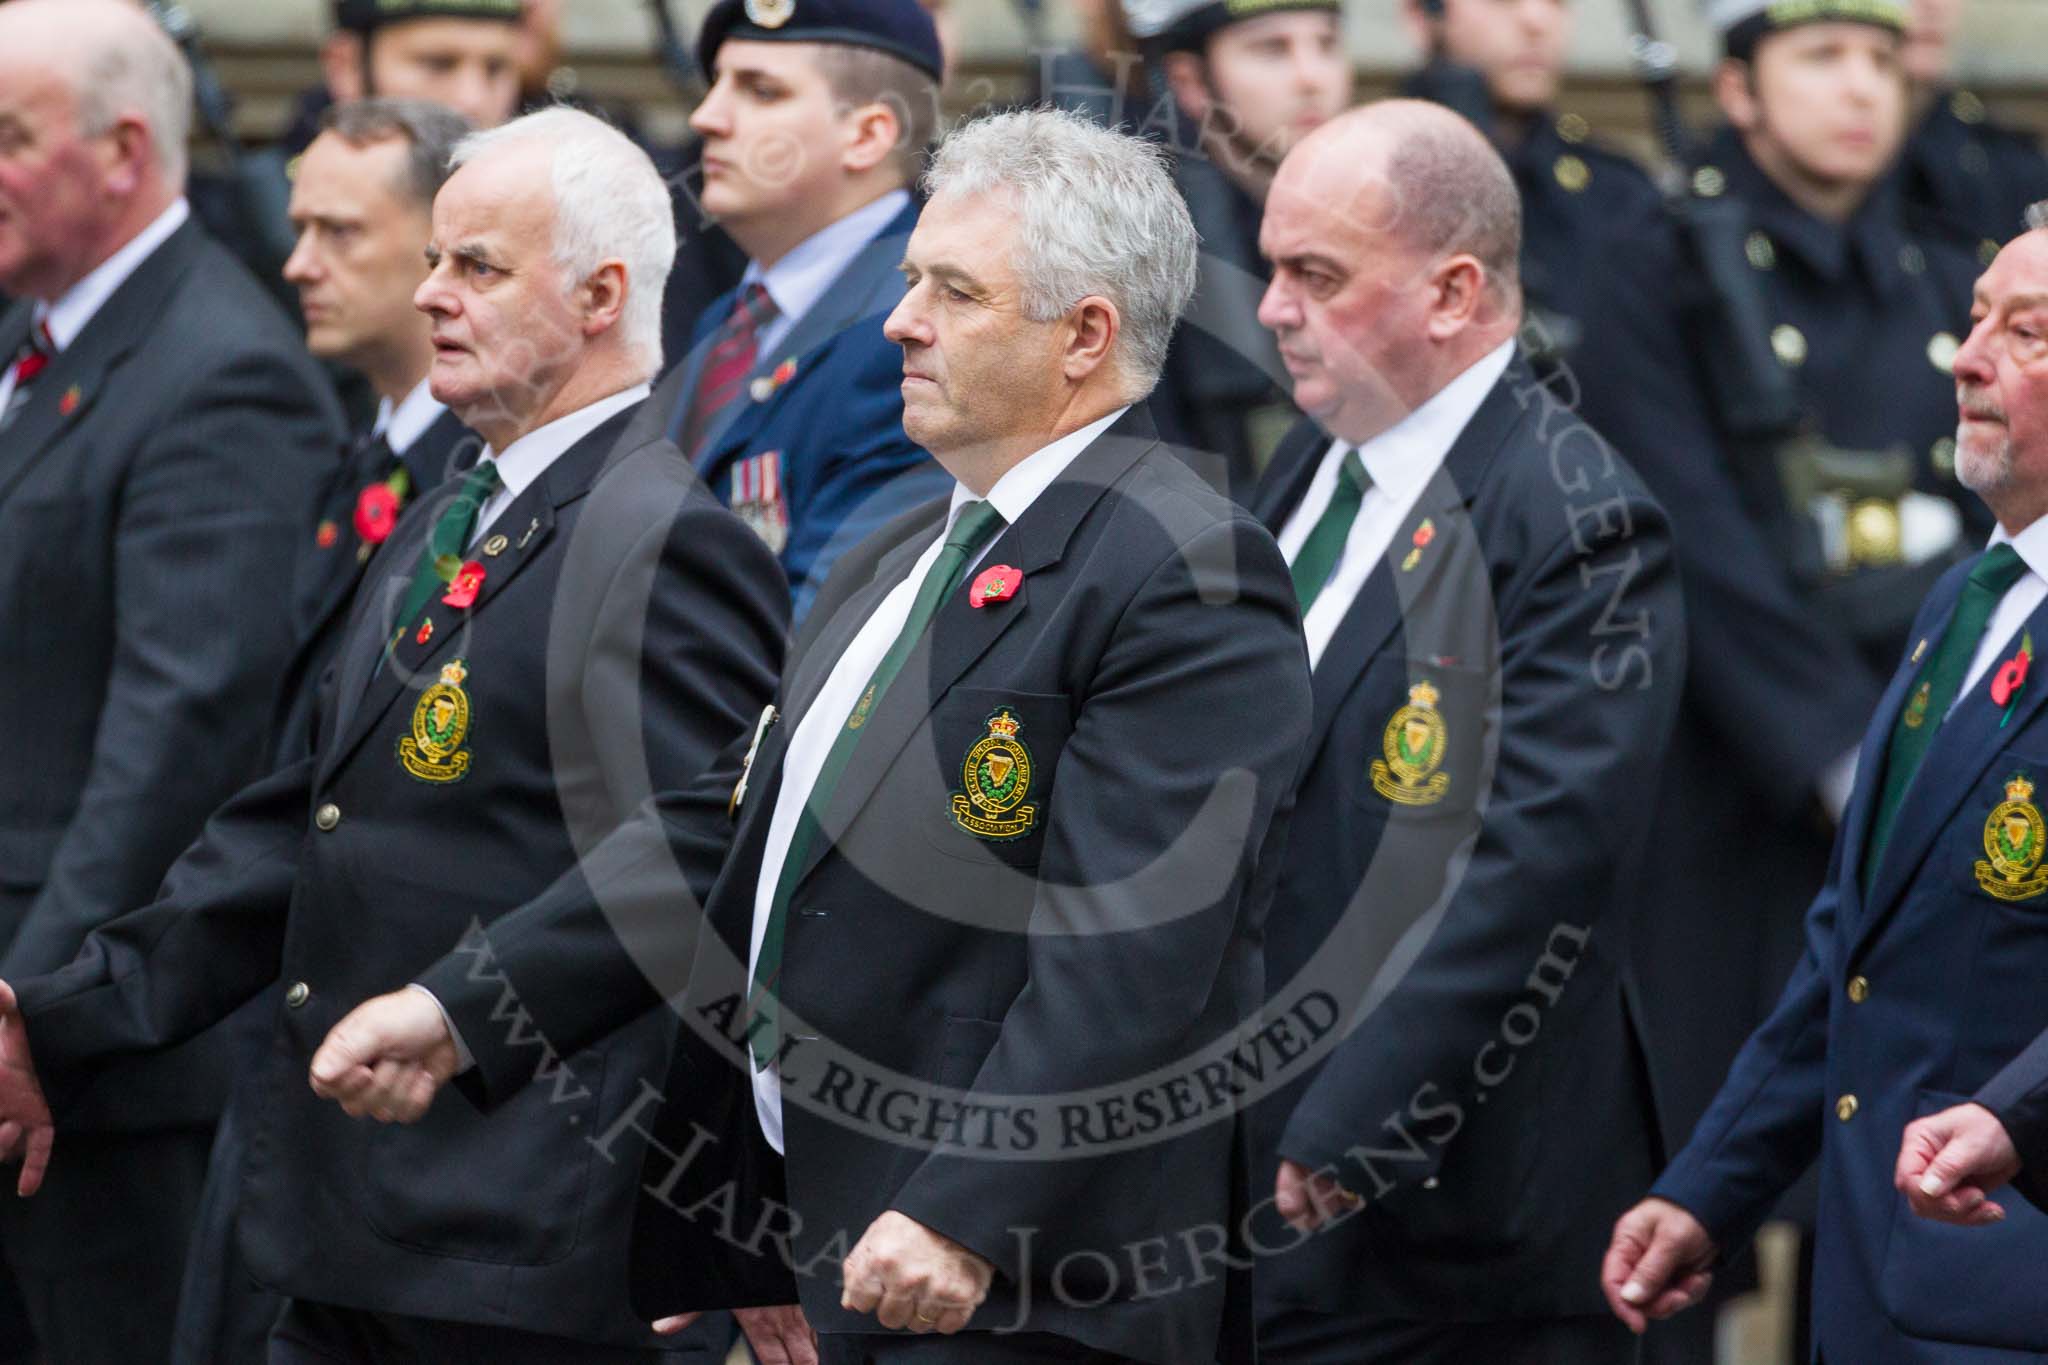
{"points": [[1187, 25], [362, 16], [900, 28]]}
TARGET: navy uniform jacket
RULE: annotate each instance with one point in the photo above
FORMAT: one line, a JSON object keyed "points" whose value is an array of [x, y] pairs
{"points": [[1910, 997], [627, 629], [1779, 688], [1481, 911], [151, 499], [816, 460], [1980, 175], [1115, 934], [334, 556], [1572, 190]]}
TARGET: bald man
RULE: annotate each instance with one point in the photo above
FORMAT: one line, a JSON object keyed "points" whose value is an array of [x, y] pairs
{"points": [[1493, 622], [162, 433]]}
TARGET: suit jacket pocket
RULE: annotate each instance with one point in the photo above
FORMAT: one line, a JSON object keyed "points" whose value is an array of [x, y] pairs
{"points": [[995, 753], [509, 1187], [1971, 1286]]}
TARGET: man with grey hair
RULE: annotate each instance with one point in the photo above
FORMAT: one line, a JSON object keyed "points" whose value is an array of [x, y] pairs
{"points": [[1002, 847], [162, 433], [536, 647], [1494, 626]]}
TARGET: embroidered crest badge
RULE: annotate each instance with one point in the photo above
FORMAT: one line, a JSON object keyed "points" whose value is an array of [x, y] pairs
{"points": [[2014, 845], [1414, 744], [759, 501], [994, 782], [433, 752], [1916, 706]]}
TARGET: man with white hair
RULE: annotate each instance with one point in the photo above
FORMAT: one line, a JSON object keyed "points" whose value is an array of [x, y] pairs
{"points": [[1002, 847], [1492, 611], [539, 644], [162, 433]]}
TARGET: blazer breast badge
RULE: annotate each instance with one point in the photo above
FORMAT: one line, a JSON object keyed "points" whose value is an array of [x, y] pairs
{"points": [[433, 752], [1414, 746], [2013, 845], [994, 782]]}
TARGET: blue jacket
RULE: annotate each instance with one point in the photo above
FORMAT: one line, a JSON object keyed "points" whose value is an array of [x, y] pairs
{"points": [[817, 459], [1909, 999]]}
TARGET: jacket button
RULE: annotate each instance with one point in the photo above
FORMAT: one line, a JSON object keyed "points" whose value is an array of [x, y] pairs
{"points": [[1845, 1108], [1859, 989], [327, 817], [1431, 1183], [298, 995]]}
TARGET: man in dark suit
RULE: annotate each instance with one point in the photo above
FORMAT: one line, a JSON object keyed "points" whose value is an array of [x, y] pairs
{"points": [[1003, 847], [815, 124], [571, 625], [1922, 974], [161, 436], [1492, 614]]}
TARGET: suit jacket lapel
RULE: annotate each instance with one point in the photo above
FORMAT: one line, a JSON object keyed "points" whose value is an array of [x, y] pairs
{"points": [[962, 634], [76, 378], [1968, 742], [1396, 595], [1287, 479], [525, 524]]}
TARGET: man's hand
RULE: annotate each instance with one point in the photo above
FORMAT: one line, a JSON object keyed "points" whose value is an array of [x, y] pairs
{"points": [[909, 1276], [386, 1058], [26, 1129], [1950, 1162], [1308, 1199], [1656, 1264], [779, 1336]]}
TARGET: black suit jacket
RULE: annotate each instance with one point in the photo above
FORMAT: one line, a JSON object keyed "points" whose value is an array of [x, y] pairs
{"points": [[151, 496], [627, 629], [1069, 981], [1489, 719]]}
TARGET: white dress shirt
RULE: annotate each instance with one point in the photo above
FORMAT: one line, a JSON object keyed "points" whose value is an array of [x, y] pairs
{"points": [[819, 727], [527, 458], [78, 305], [800, 279], [401, 424], [1401, 460]]}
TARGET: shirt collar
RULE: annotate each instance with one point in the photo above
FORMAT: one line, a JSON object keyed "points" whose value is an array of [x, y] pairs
{"points": [[2031, 542], [801, 278], [527, 458], [76, 306], [1020, 486], [401, 425], [1406, 456]]}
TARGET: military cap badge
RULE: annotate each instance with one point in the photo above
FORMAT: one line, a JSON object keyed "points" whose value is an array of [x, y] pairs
{"points": [[770, 13]]}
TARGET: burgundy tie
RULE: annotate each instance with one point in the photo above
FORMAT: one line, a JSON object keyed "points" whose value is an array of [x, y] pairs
{"points": [[731, 360], [34, 357]]}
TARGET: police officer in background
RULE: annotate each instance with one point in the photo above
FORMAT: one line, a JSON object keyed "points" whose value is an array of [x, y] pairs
{"points": [[1500, 63], [1247, 82], [1979, 174], [1801, 545]]}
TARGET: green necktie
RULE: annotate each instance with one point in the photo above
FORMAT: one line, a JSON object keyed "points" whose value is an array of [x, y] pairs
{"points": [[976, 525], [1325, 544], [1934, 691], [449, 537]]}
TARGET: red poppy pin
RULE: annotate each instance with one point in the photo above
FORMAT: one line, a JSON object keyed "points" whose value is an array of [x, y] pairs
{"points": [[1424, 534], [376, 513], [327, 535], [998, 584], [2010, 677], [468, 581], [68, 404], [426, 632]]}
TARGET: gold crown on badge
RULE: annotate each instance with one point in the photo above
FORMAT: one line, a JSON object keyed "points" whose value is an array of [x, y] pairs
{"points": [[454, 673], [1003, 726], [1424, 695], [2019, 789]]}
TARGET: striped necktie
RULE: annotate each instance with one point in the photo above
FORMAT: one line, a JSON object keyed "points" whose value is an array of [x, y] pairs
{"points": [[731, 360], [31, 360]]}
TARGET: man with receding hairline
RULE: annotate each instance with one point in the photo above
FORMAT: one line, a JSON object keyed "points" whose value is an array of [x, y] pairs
{"points": [[1493, 623]]}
